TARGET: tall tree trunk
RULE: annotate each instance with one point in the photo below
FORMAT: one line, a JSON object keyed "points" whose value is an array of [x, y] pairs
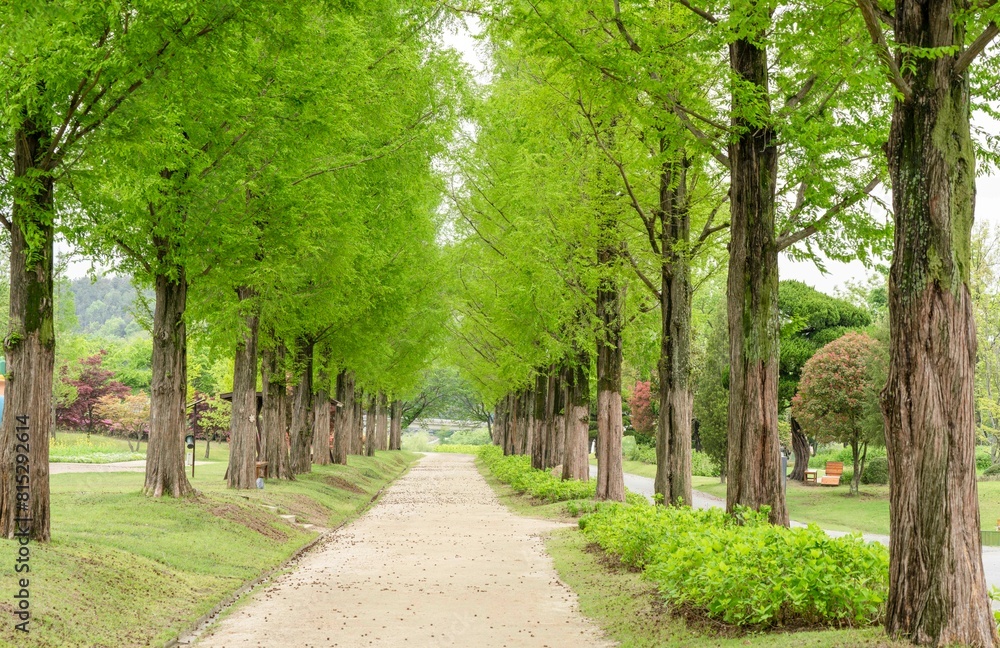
{"points": [[510, 438], [551, 391], [562, 411], [371, 423], [165, 450], [30, 343], [274, 445], [576, 455], [358, 439], [243, 422], [673, 433], [754, 463], [937, 590], [538, 423], [321, 421], [301, 427], [382, 422], [396, 426], [800, 446], [610, 479], [343, 430]]}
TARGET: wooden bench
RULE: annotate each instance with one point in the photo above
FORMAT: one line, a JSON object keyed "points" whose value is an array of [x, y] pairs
{"points": [[834, 469]]}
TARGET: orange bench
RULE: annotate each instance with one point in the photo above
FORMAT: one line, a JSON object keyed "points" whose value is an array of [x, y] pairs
{"points": [[834, 469]]}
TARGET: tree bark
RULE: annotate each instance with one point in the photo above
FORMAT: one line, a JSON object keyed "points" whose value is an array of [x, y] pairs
{"points": [[610, 479], [321, 421], [243, 422], [165, 450], [396, 426], [301, 427], [510, 438], [551, 397], [371, 418], [357, 442], [673, 432], [274, 445], [576, 456], [754, 462], [30, 344], [382, 422], [343, 430], [538, 423], [800, 446], [937, 590]]}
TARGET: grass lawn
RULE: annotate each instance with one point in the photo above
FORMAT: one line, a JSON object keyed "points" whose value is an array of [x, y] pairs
{"points": [[628, 608], [127, 570], [77, 447]]}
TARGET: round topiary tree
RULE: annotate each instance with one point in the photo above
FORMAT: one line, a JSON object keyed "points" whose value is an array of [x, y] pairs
{"points": [[837, 391]]}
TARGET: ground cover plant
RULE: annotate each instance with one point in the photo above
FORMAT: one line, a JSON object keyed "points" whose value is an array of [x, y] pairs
{"points": [[743, 571]]}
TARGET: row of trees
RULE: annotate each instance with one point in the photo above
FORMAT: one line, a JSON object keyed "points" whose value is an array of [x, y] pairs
{"points": [[265, 170], [620, 144]]}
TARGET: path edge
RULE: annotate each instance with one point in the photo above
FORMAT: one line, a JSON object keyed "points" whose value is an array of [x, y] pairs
{"points": [[196, 629]]}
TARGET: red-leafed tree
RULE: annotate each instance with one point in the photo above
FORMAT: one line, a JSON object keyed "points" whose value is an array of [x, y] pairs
{"points": [[93, 383], [641, 406], [837, 391]]}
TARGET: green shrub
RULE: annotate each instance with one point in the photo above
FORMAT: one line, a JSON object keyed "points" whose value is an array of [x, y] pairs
{"points": [[634, 451], [516, 471], [455, 448], [702, 465], [992, 471], [744, 571], [983, 459], [876, 471], [469, 437]]}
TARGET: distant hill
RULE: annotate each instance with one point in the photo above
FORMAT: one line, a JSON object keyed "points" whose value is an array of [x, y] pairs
{"points": [[105, 307]]}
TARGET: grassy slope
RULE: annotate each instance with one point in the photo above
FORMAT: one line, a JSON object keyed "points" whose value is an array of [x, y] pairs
{"points": [[626, 607], [126, 570]]}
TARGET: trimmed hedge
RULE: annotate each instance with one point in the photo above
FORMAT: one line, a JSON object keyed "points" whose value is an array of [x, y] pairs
{"points": [[744, 571], [516, 471]]}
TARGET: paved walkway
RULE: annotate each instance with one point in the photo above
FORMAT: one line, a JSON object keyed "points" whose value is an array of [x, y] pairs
{"points": [[438, 561], [56, 468]]}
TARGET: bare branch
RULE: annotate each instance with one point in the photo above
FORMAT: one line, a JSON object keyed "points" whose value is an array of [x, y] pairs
{"points": [[977, 47], [701, 12], [791, 239], [878, 39]]}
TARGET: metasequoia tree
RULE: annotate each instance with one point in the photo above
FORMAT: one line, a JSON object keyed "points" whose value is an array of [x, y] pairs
{"points": [[937, 591]]}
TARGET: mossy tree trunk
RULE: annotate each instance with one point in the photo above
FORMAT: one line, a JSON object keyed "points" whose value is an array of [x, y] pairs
{"points": [[274, 443], [300, 433], [754, 459], [538, 432], [576, 457], [937, 590], [321, 421], [168, 422], [673, 432], [243, 422], [610, 297], [343, 429], [30, 343]]}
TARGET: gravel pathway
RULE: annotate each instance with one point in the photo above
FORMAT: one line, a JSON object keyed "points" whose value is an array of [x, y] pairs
{"points": [[438, 561]]}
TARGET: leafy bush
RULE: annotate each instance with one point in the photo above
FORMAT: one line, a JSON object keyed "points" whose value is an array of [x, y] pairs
{"points": [[992, 471], [455, 448], [702, 465], [983, 459], [469, 437], [634, 451], [516, 471], [416, 442], [876, 471], [744, 571]]}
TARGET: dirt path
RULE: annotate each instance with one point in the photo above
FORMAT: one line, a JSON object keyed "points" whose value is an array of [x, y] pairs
{"points": [[439, 561]]}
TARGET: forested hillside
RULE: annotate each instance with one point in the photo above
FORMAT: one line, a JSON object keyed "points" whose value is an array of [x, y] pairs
{"points": [[107, 306]]}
